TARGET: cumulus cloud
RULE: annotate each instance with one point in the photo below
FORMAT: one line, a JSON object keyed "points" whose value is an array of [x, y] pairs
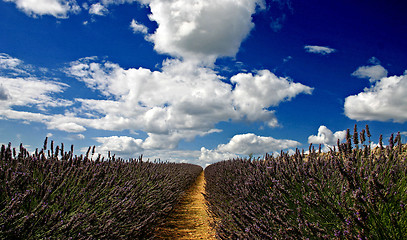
{"points": [[319, 49], [138, 27], [245, 144], [128, 147], [181, 101], [385, 100], [119, 144], [373, 73], [252, 94], [98, 9], [251, 143], [204, 101], [181, 156], [56, 8], [201, 30], [193, 29], [326, 137], [168, 116], [208, 156]]}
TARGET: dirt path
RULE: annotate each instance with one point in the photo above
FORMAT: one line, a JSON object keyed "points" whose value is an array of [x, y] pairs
{"points": [[189, 219]]}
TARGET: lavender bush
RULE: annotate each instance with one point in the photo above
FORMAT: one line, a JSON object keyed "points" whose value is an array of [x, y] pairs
{"points": [[352, 192], [55, 195]]}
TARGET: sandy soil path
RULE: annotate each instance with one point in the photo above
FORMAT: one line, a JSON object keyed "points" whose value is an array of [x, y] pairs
{"points": [[190, 219]]}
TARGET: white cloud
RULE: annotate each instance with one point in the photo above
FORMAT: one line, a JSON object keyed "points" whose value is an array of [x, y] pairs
{"points": [[138, 27], [76, 137], [31, 91], [60, 124], [385, 100], [98, 9], [13, 66], [168, 116], [180, 156], [56, 8], [327, 137], [37, 94], [128, 147], [8, 62], [201, 30], [374, 72], [319, 49], [121, 145], [193, 29], [252, 94], [204, 101], [208, 156], [251, 143], [180, 102], [245, 144]]}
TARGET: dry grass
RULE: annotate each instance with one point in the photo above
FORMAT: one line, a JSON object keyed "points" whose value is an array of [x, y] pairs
{"points": [[190, 219]]}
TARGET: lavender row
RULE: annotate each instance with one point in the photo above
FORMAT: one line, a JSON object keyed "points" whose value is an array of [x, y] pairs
{"points": [[352, 192], [55, 195]]}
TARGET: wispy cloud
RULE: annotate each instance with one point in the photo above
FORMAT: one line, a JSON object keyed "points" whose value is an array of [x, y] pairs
{"points": [[276, 24], [319, 49], [138, 27]]}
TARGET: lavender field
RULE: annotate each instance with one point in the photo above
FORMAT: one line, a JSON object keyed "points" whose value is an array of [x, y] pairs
{"points": [[52, 194], [352, 192]]}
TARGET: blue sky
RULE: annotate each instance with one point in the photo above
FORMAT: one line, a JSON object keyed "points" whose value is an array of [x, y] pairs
{"points": [[200, 81]]}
